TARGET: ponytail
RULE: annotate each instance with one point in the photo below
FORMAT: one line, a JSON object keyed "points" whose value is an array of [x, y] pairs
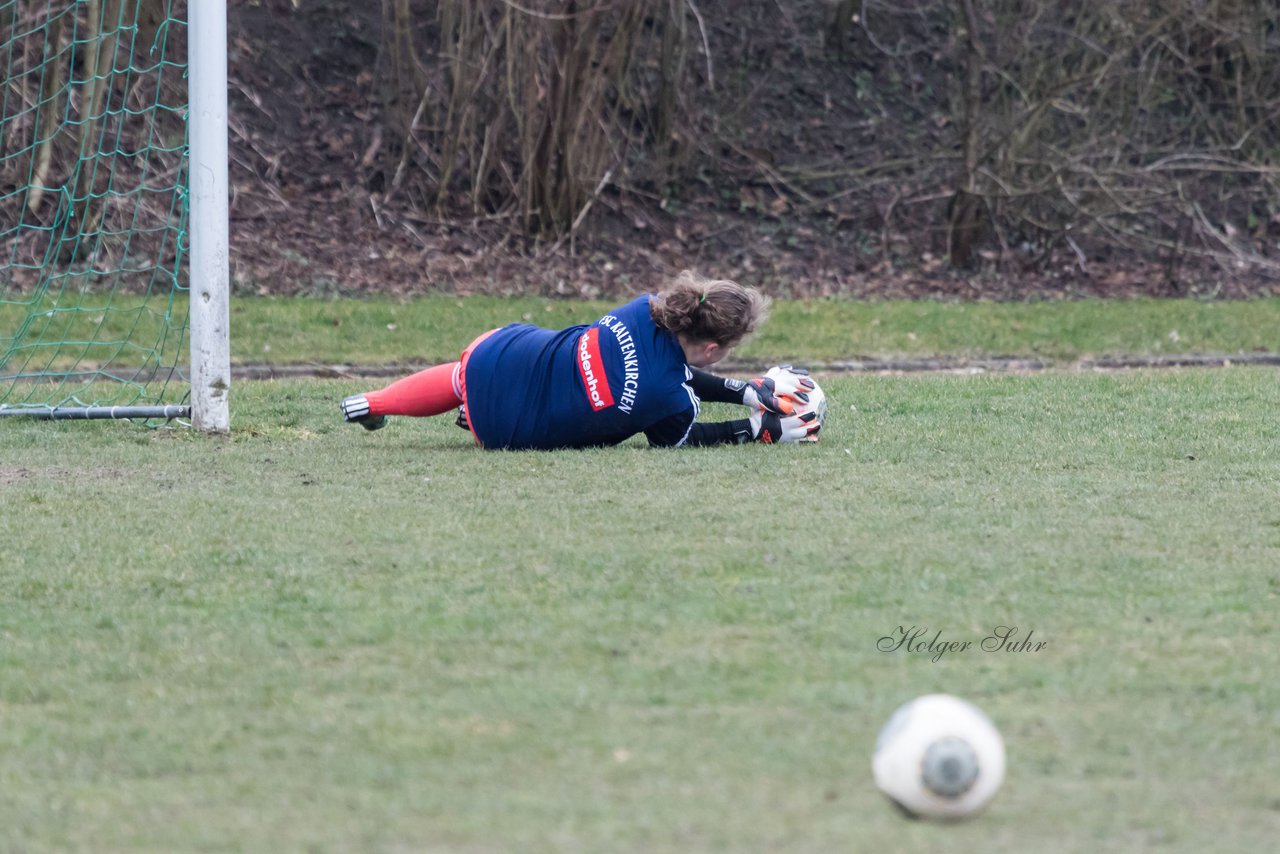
{"points": [[708, 309]]}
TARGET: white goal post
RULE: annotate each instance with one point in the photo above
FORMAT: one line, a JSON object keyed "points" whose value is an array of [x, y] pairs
{"points": [[210, 307]]}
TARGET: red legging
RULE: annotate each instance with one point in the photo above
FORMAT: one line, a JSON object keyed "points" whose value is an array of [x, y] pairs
{"points": [[429, 392]]}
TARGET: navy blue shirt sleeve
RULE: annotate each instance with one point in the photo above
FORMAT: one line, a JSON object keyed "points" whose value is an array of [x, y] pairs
{"points": [[720, 433], [698, 434], [708, 386], [672, 431]]}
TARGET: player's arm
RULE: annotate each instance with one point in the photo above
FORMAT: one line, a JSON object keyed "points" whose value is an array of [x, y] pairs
{"points": [[680, 429], [708, 386], [766, 427], [763, 393], [672, 431]]}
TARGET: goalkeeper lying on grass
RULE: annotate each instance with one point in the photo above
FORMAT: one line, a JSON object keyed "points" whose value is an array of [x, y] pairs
{"points": [[637, 369]]}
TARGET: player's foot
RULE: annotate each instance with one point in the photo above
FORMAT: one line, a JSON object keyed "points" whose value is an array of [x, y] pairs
{"points": [[355, 409], [461, 420]]}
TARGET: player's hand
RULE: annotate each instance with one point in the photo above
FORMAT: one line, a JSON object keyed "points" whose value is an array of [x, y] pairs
{"points": [[771, 428], [778, 395]]}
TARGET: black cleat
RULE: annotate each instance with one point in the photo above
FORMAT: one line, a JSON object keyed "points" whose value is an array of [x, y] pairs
{"points": [[355, 410]]}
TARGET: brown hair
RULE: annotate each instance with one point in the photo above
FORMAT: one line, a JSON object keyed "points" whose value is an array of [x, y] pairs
{"points": [[708, 309]]}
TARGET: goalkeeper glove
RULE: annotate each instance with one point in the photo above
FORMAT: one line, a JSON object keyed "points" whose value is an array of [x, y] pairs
{"points": [[771, 428], [778, 395]]}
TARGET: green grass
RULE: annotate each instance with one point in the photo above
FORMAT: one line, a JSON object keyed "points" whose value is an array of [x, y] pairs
{"points": [[394, 641], [58, 331], [434, 329], [122, 331]]}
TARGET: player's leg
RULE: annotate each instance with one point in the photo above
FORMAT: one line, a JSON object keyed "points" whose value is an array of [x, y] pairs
{"points": [[428, 392]]}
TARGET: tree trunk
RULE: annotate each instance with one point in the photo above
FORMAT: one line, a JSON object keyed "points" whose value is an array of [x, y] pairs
{"points": [[965, 220], [406, 78], [48, 124]]}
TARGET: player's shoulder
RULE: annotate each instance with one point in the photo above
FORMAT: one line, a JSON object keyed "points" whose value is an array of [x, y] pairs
{"points": [[641, 301], [672, 387], [633, 311], [630, 320], [680, 394]]}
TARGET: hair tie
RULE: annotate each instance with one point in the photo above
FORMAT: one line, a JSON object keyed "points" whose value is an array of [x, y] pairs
{"points": [[702, 298]]}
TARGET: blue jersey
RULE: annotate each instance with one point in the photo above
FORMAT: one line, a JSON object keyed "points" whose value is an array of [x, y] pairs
{"points": [[595, 384]]}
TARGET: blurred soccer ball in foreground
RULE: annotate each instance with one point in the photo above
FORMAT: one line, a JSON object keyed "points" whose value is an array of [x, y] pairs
{"points": [[939, 757], [817, 397]]}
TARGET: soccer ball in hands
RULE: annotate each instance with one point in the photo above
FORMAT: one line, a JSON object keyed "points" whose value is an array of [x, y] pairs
{"points": [[786, 377], [939, 757]]}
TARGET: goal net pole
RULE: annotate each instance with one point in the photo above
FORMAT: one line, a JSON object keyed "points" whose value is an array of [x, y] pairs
{"points": [[91, 413], [210, 311]]}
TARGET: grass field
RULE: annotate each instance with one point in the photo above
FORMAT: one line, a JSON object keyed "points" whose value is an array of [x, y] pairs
{"points": [[432, 329], [312, 638], [376, 331]]}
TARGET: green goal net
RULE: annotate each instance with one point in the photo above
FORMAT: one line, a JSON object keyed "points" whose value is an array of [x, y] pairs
{"points": [[93, 206]]}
